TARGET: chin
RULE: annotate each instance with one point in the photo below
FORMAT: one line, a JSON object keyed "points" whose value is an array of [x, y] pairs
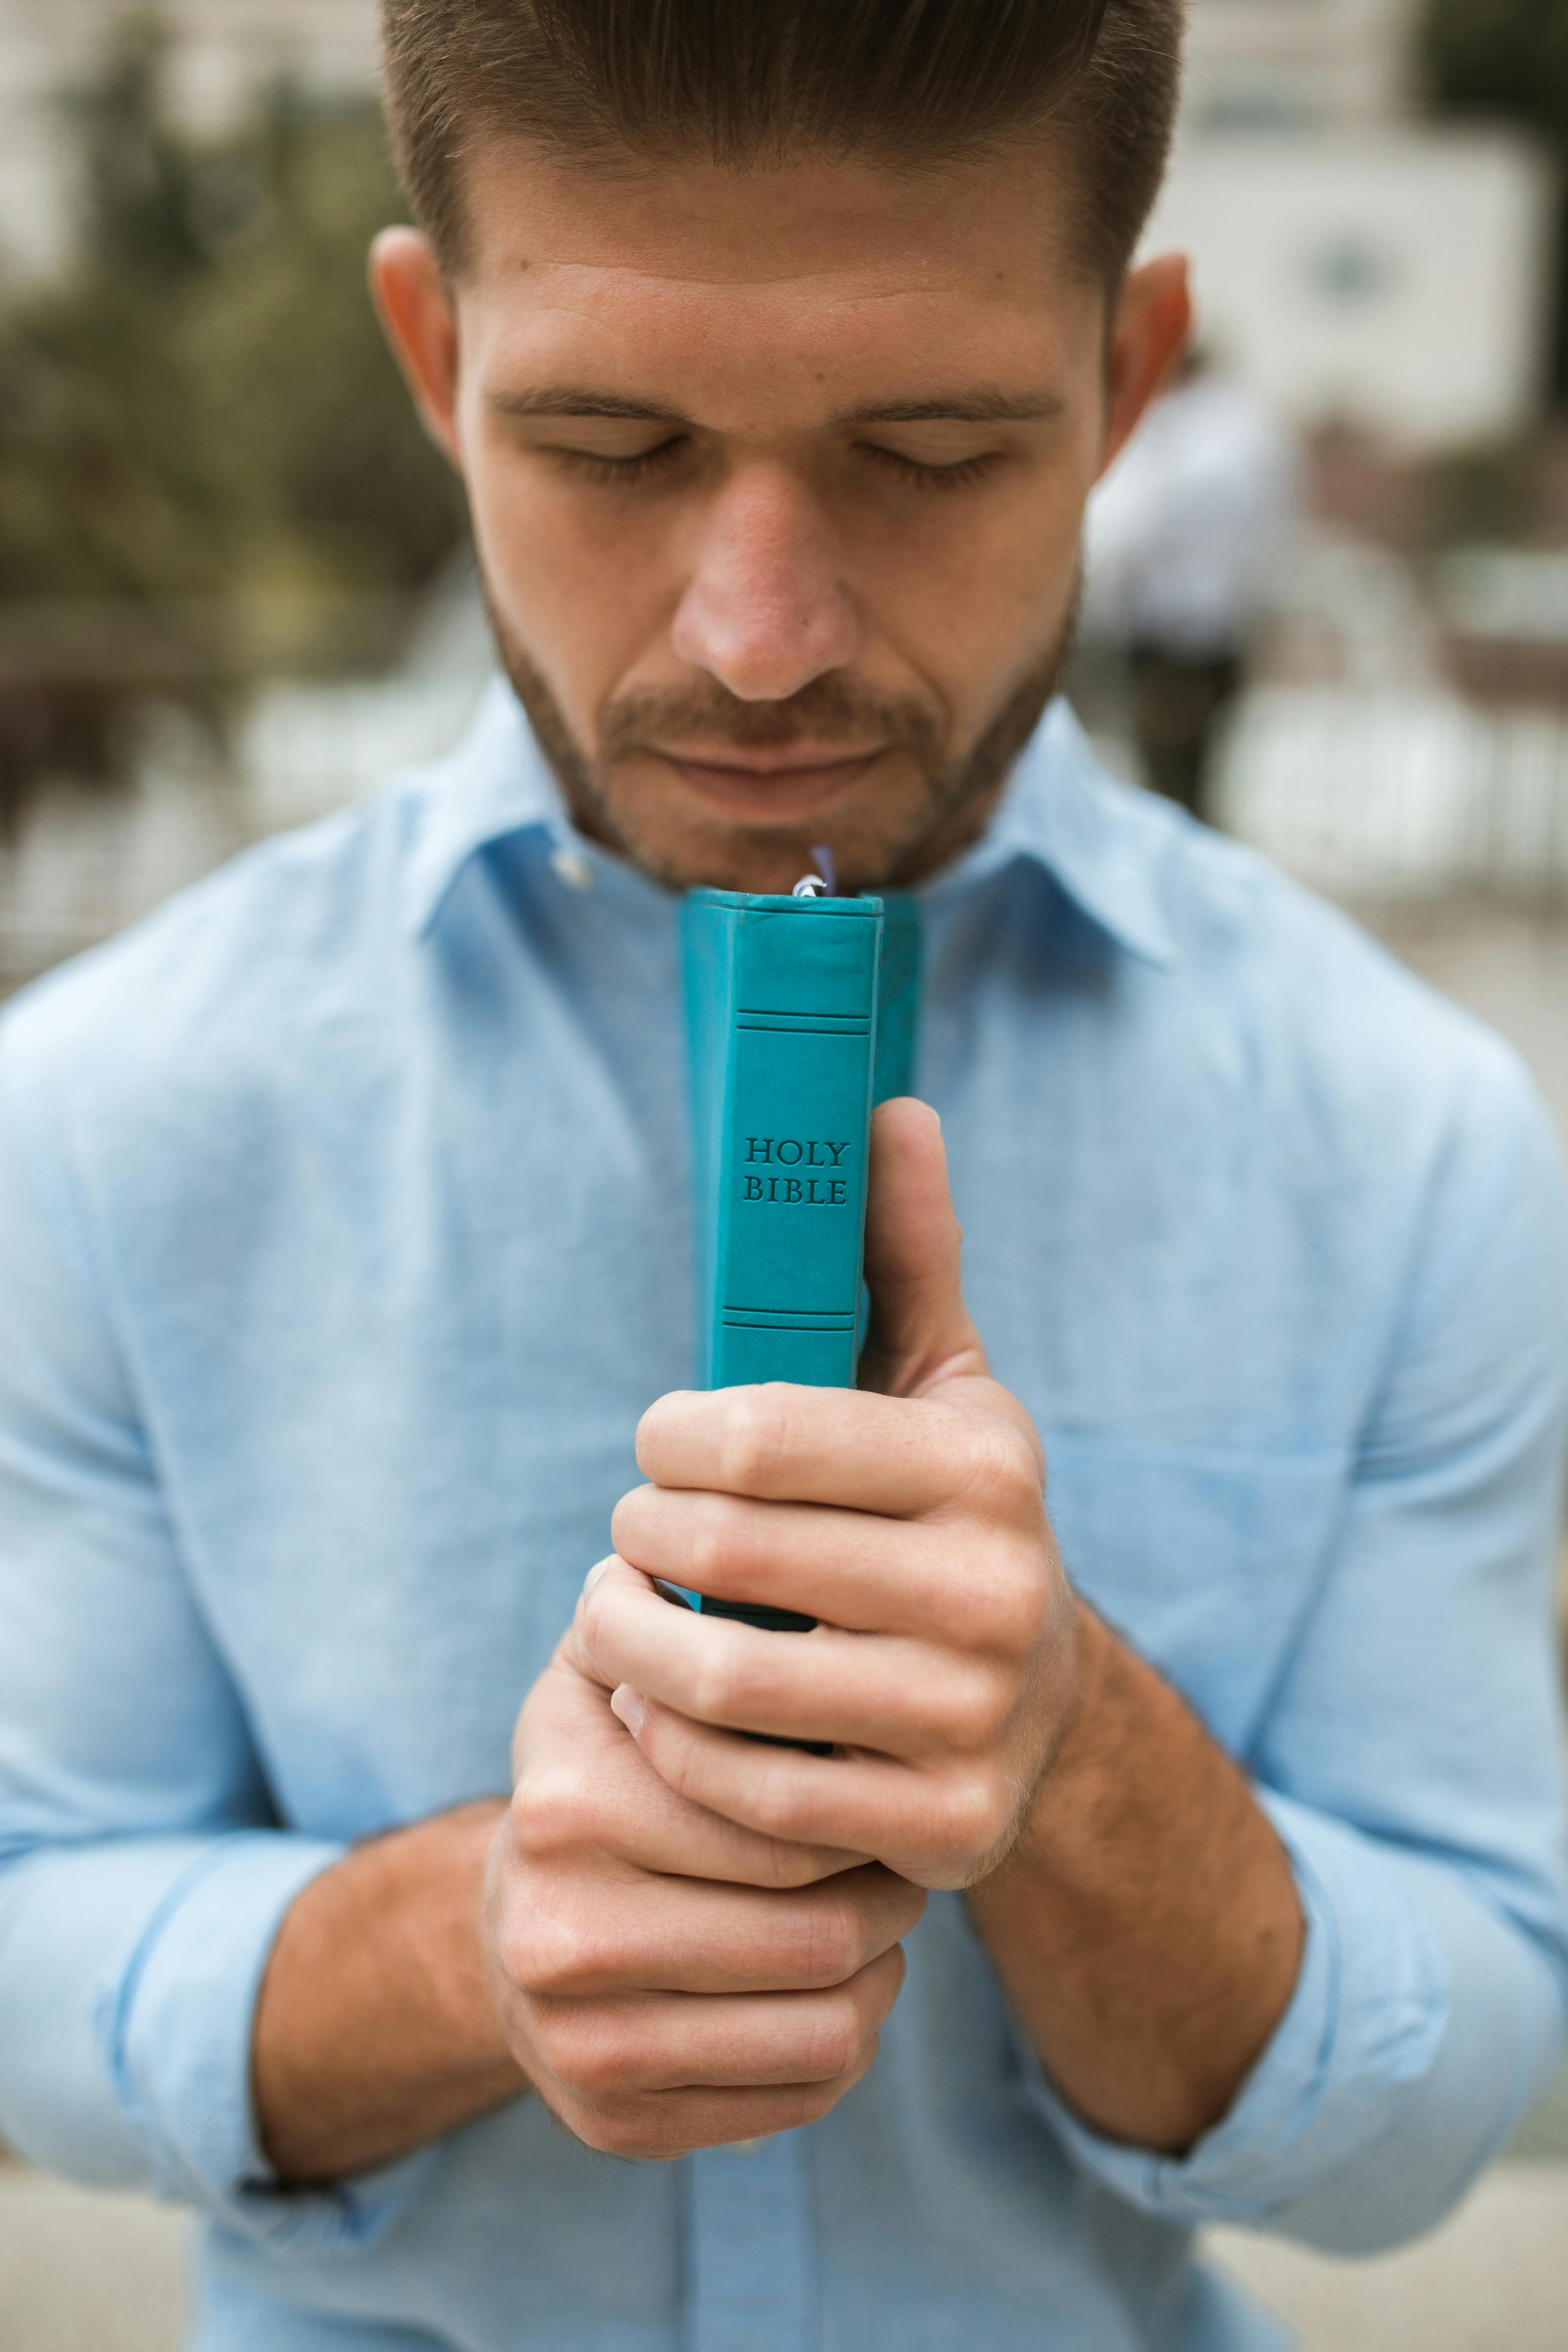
{"points": [[685, 846], [728, 864], [685, 849]]}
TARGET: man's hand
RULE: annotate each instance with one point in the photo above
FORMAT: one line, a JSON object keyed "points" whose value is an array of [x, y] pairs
{"points": [[912, 1523], [666, 1978], [990, 1731], [688, 1938]]}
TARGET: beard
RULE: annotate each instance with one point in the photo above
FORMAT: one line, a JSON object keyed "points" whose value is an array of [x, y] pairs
{"points": [[895, 838]]}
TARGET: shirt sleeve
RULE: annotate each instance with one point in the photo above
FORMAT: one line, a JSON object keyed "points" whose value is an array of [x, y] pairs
{"points": [[142, 1873], [1411, 1760]]}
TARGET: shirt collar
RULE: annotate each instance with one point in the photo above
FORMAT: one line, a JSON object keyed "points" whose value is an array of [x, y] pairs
{"points": [[496, 783], [1103, 843]]}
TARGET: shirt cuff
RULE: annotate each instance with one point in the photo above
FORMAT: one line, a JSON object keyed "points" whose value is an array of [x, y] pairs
{"points": [[175, 2031], [1365, 2019]]}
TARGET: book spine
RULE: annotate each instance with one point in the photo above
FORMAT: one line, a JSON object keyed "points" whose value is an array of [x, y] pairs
{"points": [[898, 998], [782, 1028]]}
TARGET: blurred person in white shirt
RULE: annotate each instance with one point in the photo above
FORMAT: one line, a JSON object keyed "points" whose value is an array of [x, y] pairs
{"points": [[1179, 544]]}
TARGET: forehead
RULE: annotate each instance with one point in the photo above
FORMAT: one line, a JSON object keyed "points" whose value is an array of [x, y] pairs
{"points": [[815, 274]]}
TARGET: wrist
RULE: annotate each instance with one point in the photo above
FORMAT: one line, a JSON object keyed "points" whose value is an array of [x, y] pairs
{"points": [[447, 1930], [1074, 1741], [374, 2025], [1070, 1792], [1146, 1925]]}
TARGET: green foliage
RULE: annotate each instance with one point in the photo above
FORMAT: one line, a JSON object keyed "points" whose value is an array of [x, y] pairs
{"points": [[204, 406], [1507, 57]]}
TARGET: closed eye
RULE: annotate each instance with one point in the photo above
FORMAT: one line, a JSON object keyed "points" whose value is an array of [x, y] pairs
{"points": [[955, 475], [622, 472]]}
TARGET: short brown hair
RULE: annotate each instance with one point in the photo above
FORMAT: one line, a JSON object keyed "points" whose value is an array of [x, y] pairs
{"points": [[906, 82]]}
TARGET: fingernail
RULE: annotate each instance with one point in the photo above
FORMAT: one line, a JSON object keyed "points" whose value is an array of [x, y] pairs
{"points": [[600, 1568], [630, 1706]]}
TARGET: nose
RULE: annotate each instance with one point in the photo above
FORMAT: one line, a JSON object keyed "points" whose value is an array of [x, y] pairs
{"points": [[765, 610]]}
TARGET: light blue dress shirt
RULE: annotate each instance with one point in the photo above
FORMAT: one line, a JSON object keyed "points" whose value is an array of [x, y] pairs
{"points": [[343, 1237]]}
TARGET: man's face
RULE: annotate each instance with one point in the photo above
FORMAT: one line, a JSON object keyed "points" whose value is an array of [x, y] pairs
{"points": [[776, 481]]}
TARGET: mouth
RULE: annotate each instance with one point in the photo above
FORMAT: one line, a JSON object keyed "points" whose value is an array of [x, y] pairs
{"points": [[775, 787]]}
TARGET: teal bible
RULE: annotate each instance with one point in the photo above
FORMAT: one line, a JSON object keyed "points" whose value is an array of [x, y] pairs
{"points": [[800, 1014]]}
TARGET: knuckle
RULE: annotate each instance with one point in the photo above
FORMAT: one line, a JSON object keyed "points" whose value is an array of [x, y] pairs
{"points": [[781, 1808], [731, 1684], [970, 1708], [975, 1816], [562, 1955], [718, 1535], [837, 1940], [751, 1439], [1004, 1475], [838, 2032], [552, 1810], [715, 1686], [708, 1550], [1010, 1609], [587, 2055]]}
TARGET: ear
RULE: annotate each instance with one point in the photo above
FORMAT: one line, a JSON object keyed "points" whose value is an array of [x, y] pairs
{"points": [[415, 311], [1150, 330]]}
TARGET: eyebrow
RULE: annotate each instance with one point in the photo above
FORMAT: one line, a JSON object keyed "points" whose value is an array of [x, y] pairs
{"points": [[986, 407], [981, 407], [582, 400]]}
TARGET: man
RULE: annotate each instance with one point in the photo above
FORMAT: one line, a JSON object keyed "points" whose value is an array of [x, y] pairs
{"points": [[1192, 1852], [1178, 544]]}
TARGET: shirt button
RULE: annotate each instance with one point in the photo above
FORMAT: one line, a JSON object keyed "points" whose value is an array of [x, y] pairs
{"points": [[573, 868]]}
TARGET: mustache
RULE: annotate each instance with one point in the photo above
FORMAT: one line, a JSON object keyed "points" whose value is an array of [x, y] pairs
{"points": [[829, 709]]}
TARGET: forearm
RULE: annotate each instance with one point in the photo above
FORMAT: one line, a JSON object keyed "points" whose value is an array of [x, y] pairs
{"points": [[376, 2029], [1146, 1927]]}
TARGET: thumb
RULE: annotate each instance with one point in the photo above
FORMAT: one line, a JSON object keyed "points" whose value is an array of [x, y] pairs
{"points": [[922, 1338]]}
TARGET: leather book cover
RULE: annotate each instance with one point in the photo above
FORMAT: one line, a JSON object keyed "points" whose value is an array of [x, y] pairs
{"points": [[781, 997], [800, 1013]]}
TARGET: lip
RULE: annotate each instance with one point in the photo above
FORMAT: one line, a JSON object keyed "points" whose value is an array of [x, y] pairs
{"points": [[753, 783]]}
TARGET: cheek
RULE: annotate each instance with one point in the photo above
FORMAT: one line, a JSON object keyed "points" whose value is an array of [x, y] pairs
{"points": [[1032, 541], [991, 589], [581, 593]]}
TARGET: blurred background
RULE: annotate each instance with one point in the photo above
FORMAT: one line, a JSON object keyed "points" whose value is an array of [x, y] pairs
{"points": [[1327, 606]]}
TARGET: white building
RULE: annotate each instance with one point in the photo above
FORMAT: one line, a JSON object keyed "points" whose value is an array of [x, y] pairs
{"points": [[1352, 264], [1298, 64]]}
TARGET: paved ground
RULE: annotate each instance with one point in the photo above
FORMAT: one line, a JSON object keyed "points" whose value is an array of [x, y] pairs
{"points": [[86, 2272], [1494, 2280]]}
